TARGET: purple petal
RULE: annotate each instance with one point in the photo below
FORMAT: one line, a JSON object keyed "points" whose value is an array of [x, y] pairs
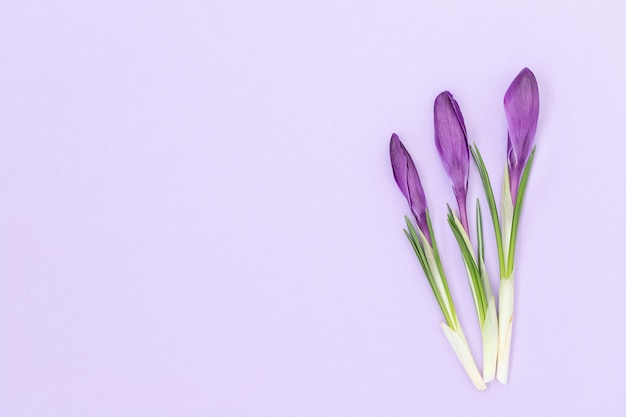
{"points": [[451, 142], [408, 181], [521, 105]]}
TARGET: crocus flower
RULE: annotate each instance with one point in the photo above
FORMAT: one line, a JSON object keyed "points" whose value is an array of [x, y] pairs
{"points": [[408, 180], [451, 141], [425, 248], [521, 105]]}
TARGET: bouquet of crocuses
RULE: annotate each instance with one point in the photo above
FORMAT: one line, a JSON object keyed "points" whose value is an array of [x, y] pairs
{"points": [[521, 106]]}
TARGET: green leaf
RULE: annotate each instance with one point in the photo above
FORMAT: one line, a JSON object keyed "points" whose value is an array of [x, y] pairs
{"points": [[440, 268], [479, 231], [421, 256], [412, 236], [517, 211], [415, 248], [506, 213], [491, 201], [481, 252], [478, 293]]}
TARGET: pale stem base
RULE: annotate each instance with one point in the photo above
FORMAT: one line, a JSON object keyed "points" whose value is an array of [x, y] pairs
{"points": [[505, 328], [459, 344], [490, 341]]}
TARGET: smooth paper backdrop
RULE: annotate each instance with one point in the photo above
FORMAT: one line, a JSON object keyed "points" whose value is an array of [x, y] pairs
{"points": [[198, 215]]}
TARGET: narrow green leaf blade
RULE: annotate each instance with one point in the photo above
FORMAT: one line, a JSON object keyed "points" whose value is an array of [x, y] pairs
{"points": [[411, 234], [517, 211], [491, 201], [440, 268], [480, 301], [479, 231]]}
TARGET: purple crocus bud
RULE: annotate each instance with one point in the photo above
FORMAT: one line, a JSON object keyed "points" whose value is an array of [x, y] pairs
{"points": [[405, 173], [451, 141], [521, 105]]}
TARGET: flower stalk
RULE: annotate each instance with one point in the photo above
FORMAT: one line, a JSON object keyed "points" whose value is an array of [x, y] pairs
{"points": [[422, 239], [428, 256], [451, 142], [506, 237], [482, 294], [521, 103]]}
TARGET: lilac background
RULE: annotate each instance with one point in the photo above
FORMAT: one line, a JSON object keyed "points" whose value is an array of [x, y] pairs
{"points": [[198, 216]]}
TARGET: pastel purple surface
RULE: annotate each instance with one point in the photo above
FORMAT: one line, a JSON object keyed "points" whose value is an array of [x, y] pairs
{"points": [[198, 218]]}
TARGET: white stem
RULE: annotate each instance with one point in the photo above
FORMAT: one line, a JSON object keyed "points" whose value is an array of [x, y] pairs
{"points": [[459, 344], [486, 282], [489, 327], [505, 301], [505, 327], [490, 341]]}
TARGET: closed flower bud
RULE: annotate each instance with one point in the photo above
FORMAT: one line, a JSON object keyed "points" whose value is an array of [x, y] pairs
{"points": [[451, 142], [408, 180], [521, 105]]}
